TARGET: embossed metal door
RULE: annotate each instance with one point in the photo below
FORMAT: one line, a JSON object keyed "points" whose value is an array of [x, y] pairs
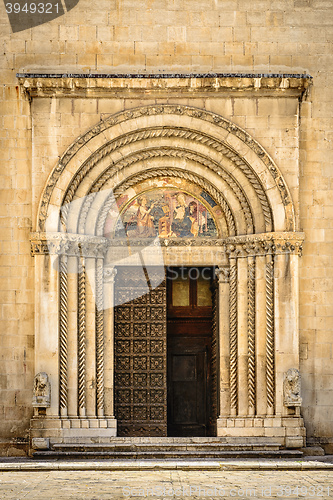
{"points": [[140, 355]]}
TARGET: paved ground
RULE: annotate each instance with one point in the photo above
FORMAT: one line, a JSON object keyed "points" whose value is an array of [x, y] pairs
{"points": [[173, 480]]}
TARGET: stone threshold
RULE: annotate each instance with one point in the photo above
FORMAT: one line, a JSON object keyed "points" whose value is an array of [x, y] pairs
{"points": [[32, 465]]}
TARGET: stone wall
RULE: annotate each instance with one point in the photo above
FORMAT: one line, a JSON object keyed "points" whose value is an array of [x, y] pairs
{"points": [[169, 36]]}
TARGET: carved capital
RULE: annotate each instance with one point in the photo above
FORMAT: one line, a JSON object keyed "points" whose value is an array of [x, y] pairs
{"points": [[109, 274], [223, 274], [68, 244]]}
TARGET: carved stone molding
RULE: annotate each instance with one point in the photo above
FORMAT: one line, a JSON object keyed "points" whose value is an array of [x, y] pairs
{"points": [[82, 339], [233, 337], [270, 335], [68, 244], [109, 274], [223, 274], [114, 84], [168, 132], [251, 340], [168, 110], [112, 171], [63, 336], [100, 341], [237, 247]]}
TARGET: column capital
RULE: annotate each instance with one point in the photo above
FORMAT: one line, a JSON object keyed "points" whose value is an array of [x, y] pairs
{"points": [[109, 274], [223, 274]]}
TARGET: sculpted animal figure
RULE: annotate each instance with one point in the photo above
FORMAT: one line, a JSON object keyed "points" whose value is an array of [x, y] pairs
{"points": [[42, 391], [292, 388]]}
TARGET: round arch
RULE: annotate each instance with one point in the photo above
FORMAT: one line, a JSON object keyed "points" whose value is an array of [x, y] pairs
{"points": [[219, 146]]}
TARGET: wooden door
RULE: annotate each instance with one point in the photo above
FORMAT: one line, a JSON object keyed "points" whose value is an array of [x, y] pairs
{"points": [[188, 384], [140, 379], [189, 354]]}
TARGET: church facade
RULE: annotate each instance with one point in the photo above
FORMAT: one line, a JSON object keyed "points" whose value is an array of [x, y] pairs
{"points": [[170, 282]]}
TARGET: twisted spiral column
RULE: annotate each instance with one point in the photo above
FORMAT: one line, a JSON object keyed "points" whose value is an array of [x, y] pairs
{"points": [[99, 325], [82, 338], [251, 270], [63, 336], [270, 347], [233, 337]]}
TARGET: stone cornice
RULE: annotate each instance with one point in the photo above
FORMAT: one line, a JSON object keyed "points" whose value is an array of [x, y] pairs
{"points": [[274, 243], [212, 84]]}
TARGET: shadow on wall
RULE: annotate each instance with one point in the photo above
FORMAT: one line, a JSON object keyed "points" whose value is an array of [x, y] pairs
{"points": [[25, 14]]}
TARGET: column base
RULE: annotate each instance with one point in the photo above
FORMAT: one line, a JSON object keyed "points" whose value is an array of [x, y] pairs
{"points": [[287, 432], [45, 432]]}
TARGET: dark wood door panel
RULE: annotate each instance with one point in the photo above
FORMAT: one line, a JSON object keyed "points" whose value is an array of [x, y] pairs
{"points": [[188, 378], [140, 357]]}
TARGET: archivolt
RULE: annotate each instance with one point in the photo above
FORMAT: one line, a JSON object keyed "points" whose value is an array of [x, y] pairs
{"points": [[146, 154], [189, 135], [144, 113]]}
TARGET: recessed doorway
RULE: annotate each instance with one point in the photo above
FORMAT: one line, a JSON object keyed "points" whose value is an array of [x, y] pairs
{"points": [[189, 346]]}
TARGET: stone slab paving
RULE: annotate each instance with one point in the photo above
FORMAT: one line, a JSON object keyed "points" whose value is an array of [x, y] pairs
{"points": [[166, 480]]}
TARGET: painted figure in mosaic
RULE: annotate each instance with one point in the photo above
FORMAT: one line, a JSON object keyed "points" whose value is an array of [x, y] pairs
{"points": [[144, 220], [164, 223], [181, 225], [166, 213], [193, 216]]}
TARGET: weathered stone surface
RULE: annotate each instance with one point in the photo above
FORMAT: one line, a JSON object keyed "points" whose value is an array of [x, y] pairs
{"points": [[287, 125]]}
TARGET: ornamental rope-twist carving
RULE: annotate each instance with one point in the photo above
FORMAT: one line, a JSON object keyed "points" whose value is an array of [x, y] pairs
{"points": [[170, 132], [166, 110], [251, 331], [169, 152], [63, 319], [82, 335], [99, 337], [161, 172], [270, 331], [233, 336]]}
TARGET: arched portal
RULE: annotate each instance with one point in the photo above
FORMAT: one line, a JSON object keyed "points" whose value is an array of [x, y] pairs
{"points": [[162, 186]]}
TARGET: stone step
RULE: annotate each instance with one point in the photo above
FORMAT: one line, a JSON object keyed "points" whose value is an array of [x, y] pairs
{"points": [[145, 447], [166, 454]]}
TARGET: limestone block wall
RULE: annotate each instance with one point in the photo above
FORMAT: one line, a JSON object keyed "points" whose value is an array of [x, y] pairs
{"points": [[170, 36]]}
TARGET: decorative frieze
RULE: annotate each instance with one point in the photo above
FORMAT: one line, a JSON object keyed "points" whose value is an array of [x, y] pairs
{"points": [[242, 246], [68, 244]]}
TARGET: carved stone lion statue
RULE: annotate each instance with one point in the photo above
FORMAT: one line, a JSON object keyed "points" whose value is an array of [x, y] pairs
{"points": [[42, 391], [292, 388]]}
